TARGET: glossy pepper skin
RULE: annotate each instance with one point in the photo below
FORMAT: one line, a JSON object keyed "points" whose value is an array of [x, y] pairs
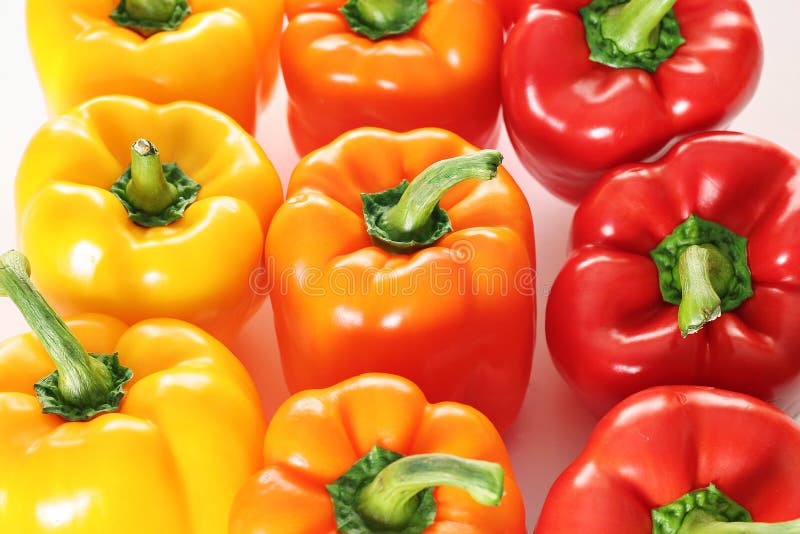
{"points": [[609, 330], [170, 460], [456, 318], [571, 119], [316, 436], [664, 442], [511, 10], [224, 55], [91, 258], [443, 73]]}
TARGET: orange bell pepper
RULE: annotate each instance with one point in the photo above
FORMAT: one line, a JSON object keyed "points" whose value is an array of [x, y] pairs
{"points": [[326, 439], [96, 255], [390, 64], [455, 317], [164, 451], [221, 53]]}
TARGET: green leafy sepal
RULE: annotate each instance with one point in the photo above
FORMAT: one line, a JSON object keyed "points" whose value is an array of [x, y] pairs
{"points": [[53, 402], [697, 231], [376, 19], [606, 51], [147, 27], [187, 193], [710, 503], [344, 494], [377, 204]]}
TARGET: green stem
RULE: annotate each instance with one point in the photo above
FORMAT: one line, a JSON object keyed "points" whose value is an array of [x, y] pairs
{"points": [[83, 381], [414, 210], [156, 10], [377, 19], [408, 217], [634, 26], [698, 522], [151, 16], [148, 190], [389, 501], [704, 272]]}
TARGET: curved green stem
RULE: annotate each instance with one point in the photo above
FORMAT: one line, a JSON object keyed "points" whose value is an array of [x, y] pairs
{"points": [[148, 190], [389, 501], [704, 272], [408, 217], [83, 381], [418, 202], [634, 26], [384, 492], [377, 19]]}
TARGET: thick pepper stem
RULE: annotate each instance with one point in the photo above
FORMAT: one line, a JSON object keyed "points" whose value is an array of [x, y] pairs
{"points": [[155, 10], [148, 189], [82, 380], [704, 273], [416, 205], [389, 501], [634, 26], [701, 523]]}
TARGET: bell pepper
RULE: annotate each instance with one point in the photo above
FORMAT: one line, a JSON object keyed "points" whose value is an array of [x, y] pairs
{"points": [[155, 432], [443, 296], [390, 64], [682, 460], [221, 53], [589, 86], [705, 236], [363, 457], [148, 248]]}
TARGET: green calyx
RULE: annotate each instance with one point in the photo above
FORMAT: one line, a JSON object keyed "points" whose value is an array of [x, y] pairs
{"points": [[83, 385], [385, 492], [702, 268], [407, 217], [377, 19], [709, 511], [631, 33], [151, 16], [154, 194]]}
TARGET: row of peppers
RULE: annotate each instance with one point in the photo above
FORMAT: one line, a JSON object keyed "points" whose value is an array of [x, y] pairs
{"points": [[494, 334], [176, 452], [110, 229], [571, 112]]}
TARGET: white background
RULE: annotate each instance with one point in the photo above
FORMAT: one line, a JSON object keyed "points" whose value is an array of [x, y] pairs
{"points": [[553, 426]]}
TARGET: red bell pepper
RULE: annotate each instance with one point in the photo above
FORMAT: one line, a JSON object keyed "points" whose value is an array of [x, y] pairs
{"points": [[588, 89], [682, 460], [661, 249]]}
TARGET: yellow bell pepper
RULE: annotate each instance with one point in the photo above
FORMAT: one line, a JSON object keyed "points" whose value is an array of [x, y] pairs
{"points": [[93, 255], [221, 53], [163, 452]]}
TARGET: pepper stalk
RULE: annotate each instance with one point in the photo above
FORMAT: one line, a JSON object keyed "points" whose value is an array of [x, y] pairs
{"points": [[631, 33], [154, 193], [377, 19], [408, 217], [385, 492], [83, 384], [148, 17], [702, 268], [710, 511]]}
